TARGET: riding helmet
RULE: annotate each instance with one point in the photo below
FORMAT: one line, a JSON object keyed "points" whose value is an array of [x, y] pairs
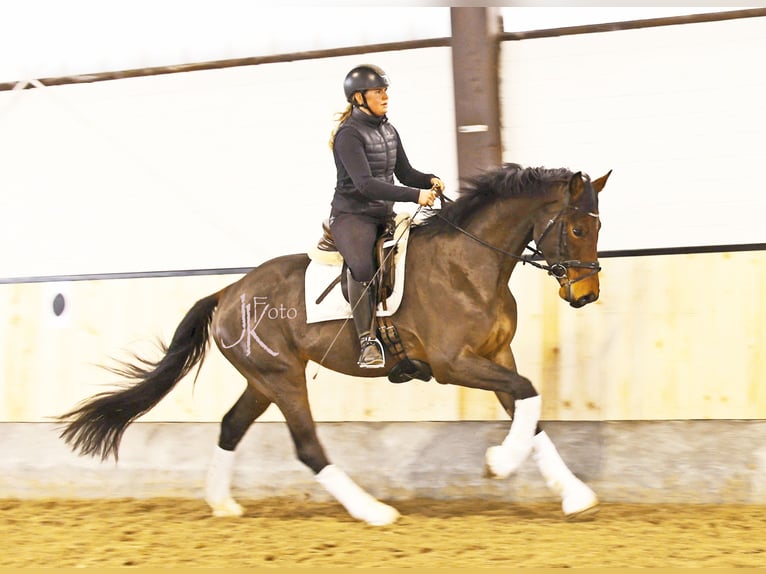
{"points": [[365, 77]]}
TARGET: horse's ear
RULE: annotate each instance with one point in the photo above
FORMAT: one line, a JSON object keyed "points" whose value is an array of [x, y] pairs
{"points": [[599, 184], [576, 186]]}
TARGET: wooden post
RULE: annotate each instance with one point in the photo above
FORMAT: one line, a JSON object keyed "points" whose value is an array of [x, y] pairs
{"points": [[475, 55]]}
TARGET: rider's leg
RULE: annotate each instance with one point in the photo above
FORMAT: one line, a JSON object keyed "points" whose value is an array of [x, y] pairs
{"points": [[355, 237], [362, 298]]}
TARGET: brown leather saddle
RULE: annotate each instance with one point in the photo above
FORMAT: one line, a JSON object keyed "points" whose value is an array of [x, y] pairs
{"points": [[385, 255], [405, 369]]}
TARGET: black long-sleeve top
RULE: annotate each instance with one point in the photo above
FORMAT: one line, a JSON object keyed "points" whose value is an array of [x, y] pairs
{"points": [[368, 152]]}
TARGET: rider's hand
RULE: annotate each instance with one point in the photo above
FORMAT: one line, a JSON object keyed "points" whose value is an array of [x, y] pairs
{"points": [[427, 197], [437, 185]]}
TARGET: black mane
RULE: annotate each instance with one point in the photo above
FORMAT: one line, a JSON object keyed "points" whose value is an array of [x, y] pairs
{"points": [[511, 180]]}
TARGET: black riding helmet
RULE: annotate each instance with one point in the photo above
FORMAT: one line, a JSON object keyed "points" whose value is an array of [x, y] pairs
{"points": [[363, 78]]}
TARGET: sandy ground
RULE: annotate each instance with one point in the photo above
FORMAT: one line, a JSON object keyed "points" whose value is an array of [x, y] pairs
{"points": [[279, 532]]}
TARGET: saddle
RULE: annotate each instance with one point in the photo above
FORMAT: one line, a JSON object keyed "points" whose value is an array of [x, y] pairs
{"points": [[385, 252], [405, 369]]}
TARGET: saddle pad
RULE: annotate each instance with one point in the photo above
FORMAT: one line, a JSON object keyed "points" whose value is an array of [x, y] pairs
{"points": [[334, 306]]}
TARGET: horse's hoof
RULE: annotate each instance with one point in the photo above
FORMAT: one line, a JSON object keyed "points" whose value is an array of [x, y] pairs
{"points": [[501, 461], [380, 515], [226, 508], [493, 463], [579, 503], [583, 514]]}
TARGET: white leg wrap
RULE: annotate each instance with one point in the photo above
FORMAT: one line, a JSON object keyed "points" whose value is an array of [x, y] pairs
{"points": [[506, 458], [359, 504], [218, 485], [576, 497]]}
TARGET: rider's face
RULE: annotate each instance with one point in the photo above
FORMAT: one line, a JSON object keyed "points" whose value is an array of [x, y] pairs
{"points": [[377, 101]]}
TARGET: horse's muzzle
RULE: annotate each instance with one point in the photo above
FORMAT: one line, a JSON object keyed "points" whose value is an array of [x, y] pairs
{"points": [[579, 292], [584, 300], [581, 289]]}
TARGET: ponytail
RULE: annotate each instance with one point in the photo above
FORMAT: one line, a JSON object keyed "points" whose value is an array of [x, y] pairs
{"points": [[340, 118]]}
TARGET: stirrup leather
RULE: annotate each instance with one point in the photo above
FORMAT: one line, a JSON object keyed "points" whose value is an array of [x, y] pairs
{"points": [[369, 358]]}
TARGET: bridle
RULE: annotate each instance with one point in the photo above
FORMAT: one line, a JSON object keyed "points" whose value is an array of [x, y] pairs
{"points": [[559, 269]]}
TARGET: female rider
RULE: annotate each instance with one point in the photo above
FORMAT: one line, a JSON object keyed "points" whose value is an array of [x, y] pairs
{"points": [[368, 154]]}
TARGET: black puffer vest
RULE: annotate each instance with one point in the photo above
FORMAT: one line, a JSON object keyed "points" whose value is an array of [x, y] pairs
{"points": [[380, 143]]}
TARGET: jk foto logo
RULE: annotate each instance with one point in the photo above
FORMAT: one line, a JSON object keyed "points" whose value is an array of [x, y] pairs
{"points": [[252, 314]]}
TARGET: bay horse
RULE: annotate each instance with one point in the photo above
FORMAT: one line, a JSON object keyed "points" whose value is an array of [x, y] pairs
{"points": [[463, 254]]}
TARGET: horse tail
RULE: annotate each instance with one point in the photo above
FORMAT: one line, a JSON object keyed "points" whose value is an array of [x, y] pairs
{"points": [[95, 426]]}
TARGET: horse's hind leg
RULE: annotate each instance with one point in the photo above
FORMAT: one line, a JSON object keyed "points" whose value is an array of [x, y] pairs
{"points": [[360, 504], [234, 425], [577, 499]]}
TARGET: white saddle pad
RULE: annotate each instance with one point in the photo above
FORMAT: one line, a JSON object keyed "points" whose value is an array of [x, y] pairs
{"points": [[320, 274]]}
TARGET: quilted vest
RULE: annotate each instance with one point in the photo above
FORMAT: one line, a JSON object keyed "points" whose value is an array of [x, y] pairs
{"points": [[380, 143]]}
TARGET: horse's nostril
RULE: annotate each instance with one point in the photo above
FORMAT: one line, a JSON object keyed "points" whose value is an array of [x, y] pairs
{"points": [[585, 299]]}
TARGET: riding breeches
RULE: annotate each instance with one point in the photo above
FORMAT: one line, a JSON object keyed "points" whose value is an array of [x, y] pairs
{"points": [[355, 237]]}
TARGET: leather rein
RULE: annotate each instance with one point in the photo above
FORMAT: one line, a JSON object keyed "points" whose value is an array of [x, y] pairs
{"points": [[559, 269]]}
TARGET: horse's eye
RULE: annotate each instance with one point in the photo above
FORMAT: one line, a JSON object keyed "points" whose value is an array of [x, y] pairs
{"points": [[578, 231]]}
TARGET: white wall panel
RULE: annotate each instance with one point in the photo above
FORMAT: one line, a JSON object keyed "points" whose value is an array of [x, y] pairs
{"points": [[49, 38], [671, 337], [214, 169], [678, 112]]}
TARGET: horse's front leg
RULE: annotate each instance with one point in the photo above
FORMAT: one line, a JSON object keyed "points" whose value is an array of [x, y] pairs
{"points": [[577, 498], [471, 370]]}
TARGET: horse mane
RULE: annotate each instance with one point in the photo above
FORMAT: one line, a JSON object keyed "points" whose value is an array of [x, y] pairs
{"points": [[511, 180]]}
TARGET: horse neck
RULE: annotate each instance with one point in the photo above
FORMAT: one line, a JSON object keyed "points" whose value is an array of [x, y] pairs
{"points": [[507, 226]]}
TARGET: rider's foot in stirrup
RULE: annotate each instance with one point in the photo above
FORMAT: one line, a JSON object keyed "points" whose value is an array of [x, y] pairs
{"points": [[371, 356]]}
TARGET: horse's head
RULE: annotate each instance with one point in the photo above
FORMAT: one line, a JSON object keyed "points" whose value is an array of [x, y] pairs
{"points": [[566, 232]]}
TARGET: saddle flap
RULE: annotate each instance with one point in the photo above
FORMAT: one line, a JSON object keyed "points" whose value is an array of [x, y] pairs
{"points": [[325, 273], [385, 252]]}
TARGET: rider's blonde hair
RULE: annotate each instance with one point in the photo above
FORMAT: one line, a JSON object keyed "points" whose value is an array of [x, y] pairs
{"points": [[340, 118]]}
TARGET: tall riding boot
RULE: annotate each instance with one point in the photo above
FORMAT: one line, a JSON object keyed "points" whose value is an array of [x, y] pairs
{"points": [[362, 299]]}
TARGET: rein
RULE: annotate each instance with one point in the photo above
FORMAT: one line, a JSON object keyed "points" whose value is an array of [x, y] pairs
{"points": [[558, 269]]}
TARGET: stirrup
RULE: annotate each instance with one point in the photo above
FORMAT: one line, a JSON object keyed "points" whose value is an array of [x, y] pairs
{"points": [[372, 356]]}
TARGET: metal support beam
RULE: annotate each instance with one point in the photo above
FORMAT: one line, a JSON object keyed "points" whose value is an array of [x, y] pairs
{"points": [[475, 56]]}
